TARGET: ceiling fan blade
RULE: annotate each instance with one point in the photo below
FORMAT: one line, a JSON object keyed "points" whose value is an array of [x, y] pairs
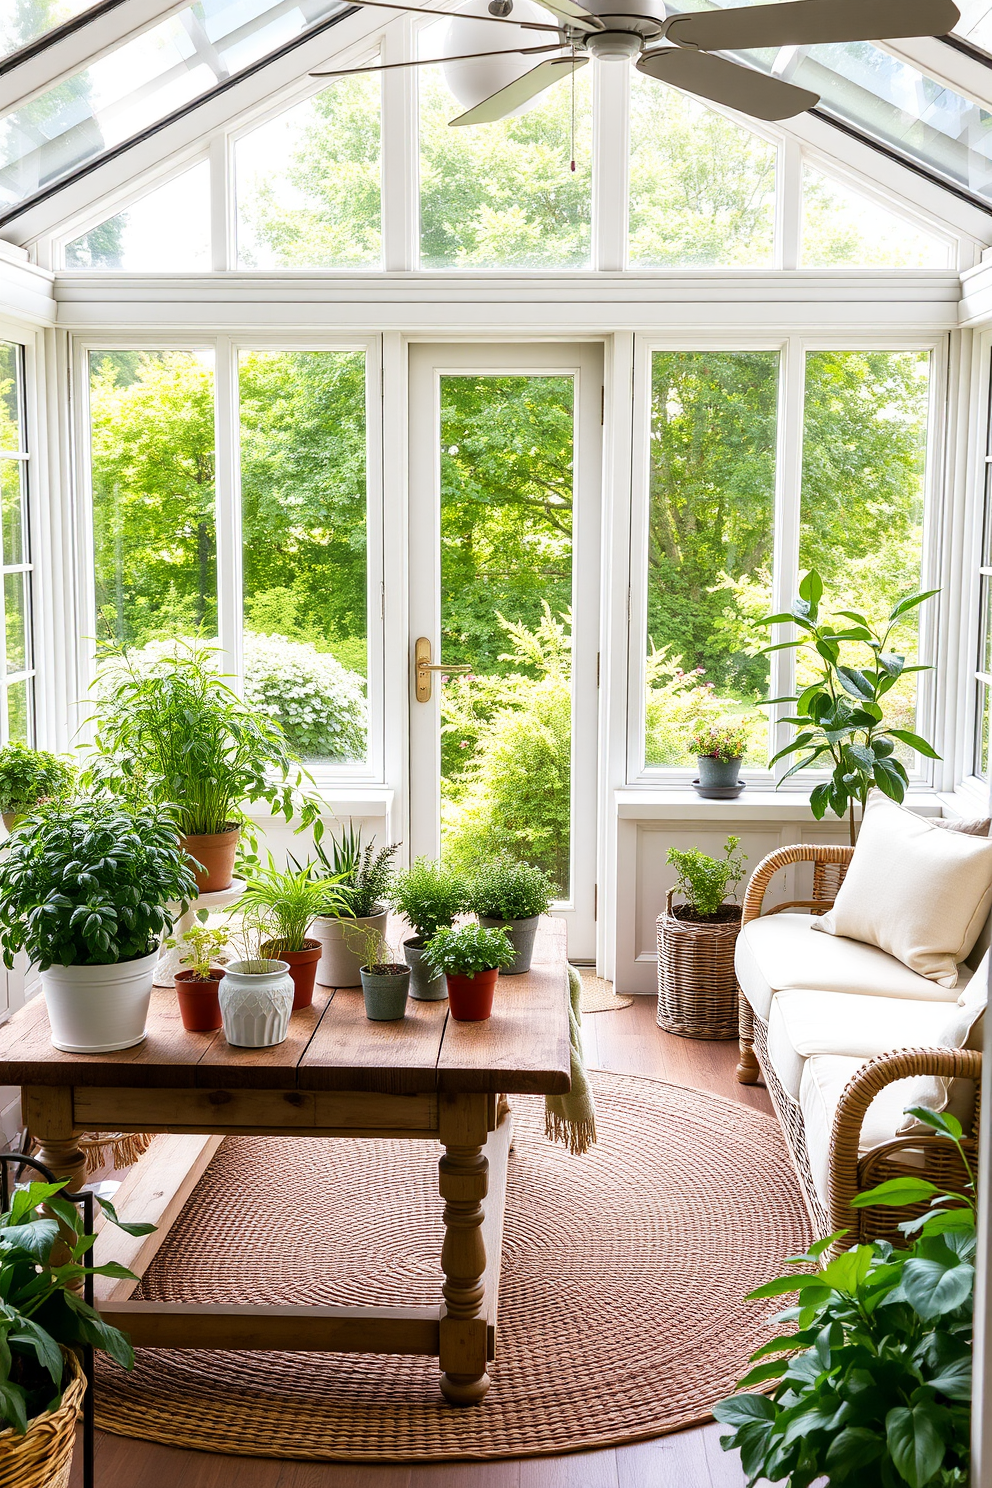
{"points": [[810, 23], [498, 105], [725, 82], [436, 61]]}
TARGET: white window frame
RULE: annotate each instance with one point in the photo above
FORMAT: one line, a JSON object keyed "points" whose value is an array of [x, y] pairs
{"points": [[227, 489], [26, 456]]}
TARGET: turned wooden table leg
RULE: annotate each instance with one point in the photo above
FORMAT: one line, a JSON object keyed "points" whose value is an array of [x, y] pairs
{"points": [[463, 1182], [47, 1113]]}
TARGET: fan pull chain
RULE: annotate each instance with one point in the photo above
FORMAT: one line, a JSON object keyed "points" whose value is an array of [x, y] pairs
{"points": [[572, 166]]}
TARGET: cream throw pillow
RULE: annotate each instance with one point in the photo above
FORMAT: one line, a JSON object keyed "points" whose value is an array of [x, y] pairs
{"points": [[918, 893]]}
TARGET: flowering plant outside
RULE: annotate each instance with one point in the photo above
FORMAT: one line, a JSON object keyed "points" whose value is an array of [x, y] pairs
{"points": [[319, 703], [719, 741]]}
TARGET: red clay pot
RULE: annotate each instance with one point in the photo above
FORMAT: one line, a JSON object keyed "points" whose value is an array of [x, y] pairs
{"points": [[470, 998], [198, 1004], [302, 968], [215, 851]]}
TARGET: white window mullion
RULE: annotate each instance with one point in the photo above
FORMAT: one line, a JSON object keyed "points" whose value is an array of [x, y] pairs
{"points": [[227, 498], [400, 150], [223, 247], [610, 166], [785, 561], [788, 204]]}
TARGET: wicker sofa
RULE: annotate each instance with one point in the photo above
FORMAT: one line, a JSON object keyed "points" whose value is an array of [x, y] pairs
{"points": [[831, 1057]]}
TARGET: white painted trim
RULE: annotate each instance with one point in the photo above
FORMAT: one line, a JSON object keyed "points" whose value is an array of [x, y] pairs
{"points": [[400, 155], [611, 166]]}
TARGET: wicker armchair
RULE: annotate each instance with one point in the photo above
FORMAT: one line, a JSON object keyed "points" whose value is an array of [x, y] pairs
{"points": [[849, 1173]]}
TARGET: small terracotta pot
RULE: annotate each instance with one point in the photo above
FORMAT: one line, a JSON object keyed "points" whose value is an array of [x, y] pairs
{"points": [[215, 851], [470, 998], [198, 1004], [302, 968]]}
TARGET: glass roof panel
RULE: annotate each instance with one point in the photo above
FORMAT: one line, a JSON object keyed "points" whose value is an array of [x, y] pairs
{"points": [[975, 24], [171, 64], [24, 22]]}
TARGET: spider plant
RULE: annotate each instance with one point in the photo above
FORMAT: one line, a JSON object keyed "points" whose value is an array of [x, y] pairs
{"points": [[279, 906]]}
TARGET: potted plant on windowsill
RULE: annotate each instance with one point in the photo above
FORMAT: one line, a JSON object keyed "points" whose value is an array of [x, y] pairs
{"points": [[43, 1321], [282, 906], [171, 730], [697, 987], [363, 876], [29, 777], [512, 896], [471, 959], [196, 987], [87, 890], [429, 895], [719, 748]]}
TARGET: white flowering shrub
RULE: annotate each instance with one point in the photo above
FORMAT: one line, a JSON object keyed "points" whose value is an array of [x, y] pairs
{"points": [[320, 703]]}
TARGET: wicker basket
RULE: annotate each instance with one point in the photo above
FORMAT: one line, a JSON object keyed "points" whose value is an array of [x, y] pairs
{"points": [[42, 1458], [697, 987]]}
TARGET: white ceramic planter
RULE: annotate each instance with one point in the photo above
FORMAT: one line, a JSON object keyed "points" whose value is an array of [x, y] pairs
{"points": [[256, 999], [343, 951], [97, 1009]]}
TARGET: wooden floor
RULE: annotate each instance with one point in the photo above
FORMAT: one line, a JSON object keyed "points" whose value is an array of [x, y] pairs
{"points": [[631, 1043]]}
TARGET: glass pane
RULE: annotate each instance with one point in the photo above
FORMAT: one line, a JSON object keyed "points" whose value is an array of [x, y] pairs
{"points": [[152, 453], [506, 596], [841, 227], [148, 77], [975, 24], [12, 478], [702, 189], [713, 419], [166, 231], [304, 523], [982, 733], [985, 663], [11, 437], [503, 195], [15, 605], [309, 183], [864, 459], [20, 711], [22, 21]]}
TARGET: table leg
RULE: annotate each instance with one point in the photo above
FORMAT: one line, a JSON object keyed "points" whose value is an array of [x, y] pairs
{"points": [[47, 1113], [463, 1182]]}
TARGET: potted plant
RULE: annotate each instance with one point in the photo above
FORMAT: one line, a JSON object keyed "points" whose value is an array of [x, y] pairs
{"points": [[385, 981], [43, 1322], [29, 777], [256, 996], [871, 1373], [471, 959], [281, 906], [173, 731], [196, 987], [697, 988], [86, 890], [429, 895], [363, 876], [839, 717], [719, 748], [512, 896]]}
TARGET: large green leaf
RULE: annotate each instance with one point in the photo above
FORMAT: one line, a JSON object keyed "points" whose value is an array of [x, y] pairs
{"points": [[937, 1283], [915, 742], [915, 1442], [739, 1410], [910, 602], [852, 1448], [953, 1379], [856, 683], [896, 1191]]}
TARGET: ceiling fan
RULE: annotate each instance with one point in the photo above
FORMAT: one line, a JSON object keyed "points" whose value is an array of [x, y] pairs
{"points": [[682, 48]]}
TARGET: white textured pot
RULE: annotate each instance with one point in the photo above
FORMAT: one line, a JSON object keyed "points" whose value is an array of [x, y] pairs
{"points": [[97, 1009], [256, 999], [343, 951]]}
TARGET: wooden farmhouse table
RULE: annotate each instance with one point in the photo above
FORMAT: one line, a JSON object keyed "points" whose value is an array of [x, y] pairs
{"points": [[336, 1075]]}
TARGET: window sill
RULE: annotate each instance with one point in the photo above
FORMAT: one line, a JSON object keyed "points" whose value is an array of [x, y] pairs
{"points": [[366, 801], [639, 803]]}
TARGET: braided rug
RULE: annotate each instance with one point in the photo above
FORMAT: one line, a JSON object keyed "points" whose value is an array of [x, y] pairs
{"points": [[620, 1313]]}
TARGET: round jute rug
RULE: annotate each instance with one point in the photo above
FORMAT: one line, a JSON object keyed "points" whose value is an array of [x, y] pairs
{"points": [[620, 1313]]}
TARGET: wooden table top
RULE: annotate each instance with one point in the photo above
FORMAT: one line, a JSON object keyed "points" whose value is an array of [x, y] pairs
{"points": [[523, 1047]]}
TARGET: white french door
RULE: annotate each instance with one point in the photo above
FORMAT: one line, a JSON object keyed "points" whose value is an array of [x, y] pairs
{"points": [[505, 489]]}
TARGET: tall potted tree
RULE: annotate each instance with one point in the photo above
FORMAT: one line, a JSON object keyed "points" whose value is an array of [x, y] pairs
{"points": [[86, 890]]}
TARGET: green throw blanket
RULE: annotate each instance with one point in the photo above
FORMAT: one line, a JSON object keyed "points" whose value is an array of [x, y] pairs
{"points": [[571, 1118]]}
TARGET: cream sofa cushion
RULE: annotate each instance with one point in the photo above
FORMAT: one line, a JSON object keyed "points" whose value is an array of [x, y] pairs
{"points": [[919, 893], [777, 952], [825, 1077], [963, 1028], [804, 1023]]}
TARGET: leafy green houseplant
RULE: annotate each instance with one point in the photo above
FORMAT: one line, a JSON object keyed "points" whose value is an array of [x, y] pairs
{"points": [[697, 985], [512, 895], [873, 1370], [470, 958], [429, 895], [280, 905], [200, 946], [704, 881], [30, 776], [839, 717], [86, 890], [173, 731], [362, 877]]}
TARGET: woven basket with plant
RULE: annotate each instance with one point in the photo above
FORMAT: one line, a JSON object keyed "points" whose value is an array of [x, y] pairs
{"points": [[697, 988]]}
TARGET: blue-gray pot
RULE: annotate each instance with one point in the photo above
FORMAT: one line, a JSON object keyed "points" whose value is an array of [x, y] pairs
{"points": [[520, 934], [385, 994], [718, 772], [423, 986]]}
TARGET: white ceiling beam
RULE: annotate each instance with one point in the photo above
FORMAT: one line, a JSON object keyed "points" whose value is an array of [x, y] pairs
{"points": [[945, 64]]}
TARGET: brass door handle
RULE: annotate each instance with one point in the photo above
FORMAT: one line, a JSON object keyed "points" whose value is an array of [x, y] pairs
{"points": [[424, 666]]}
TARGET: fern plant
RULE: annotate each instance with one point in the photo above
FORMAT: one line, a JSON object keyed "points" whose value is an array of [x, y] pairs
{"points": [[703, 881]]}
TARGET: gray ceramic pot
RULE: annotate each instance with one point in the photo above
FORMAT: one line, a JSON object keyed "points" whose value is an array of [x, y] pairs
{"points": [[385, 994], [718, 772], [423, 988], [520, 934]]}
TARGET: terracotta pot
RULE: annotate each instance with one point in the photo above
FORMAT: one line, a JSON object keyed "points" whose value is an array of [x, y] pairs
{"points": [[470, 998], [215, 851], [302, 968], [199, 1007]]}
